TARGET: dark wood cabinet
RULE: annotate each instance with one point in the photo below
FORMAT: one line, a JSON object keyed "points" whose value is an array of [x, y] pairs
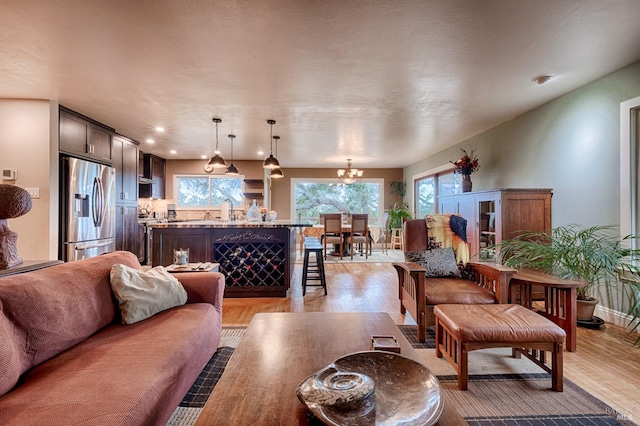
{"points": [[154, 170], [83, 137], [127, 230], [99, 145], [125, 161], [500, 214], [165, 240], [142, 243]]}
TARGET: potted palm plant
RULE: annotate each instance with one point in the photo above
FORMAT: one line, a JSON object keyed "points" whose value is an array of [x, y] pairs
{"points": [[596, 255]]}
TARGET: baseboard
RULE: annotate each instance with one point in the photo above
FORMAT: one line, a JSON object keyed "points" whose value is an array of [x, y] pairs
{"points": [[613, 316]]}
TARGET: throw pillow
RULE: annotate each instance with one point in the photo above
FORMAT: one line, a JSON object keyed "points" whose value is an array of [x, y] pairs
{"points": [[143, 294], [439, 262]]}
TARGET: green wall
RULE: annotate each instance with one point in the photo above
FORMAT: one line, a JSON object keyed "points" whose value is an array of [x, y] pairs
{"points": [[571, 144]]}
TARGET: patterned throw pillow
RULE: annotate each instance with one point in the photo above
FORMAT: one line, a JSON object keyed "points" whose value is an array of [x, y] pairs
{"points": [[439, 262]]}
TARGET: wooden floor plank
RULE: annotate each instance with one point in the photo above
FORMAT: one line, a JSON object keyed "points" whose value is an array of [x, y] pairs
{"points": [[606, 364]]}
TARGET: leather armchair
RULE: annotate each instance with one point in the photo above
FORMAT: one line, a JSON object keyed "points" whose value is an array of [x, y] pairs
{"points": [[419, 294]]}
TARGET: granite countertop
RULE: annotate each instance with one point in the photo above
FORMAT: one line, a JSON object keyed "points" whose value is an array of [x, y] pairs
{"points": [[232, 224]]}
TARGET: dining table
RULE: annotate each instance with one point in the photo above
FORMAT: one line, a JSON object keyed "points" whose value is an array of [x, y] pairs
{"points": [[374, 231]]}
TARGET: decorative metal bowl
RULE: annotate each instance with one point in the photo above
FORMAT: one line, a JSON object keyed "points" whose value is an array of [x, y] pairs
{"points": [[405, 391]]}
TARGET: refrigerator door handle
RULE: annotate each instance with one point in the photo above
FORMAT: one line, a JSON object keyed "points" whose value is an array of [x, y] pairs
{"points": [[98, 202]]}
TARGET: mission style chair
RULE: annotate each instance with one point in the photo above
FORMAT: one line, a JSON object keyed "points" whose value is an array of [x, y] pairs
{"points": [[486, 283]]}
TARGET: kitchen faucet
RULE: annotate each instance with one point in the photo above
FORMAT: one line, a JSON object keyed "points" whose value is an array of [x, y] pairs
{"points": [[232, 214]]}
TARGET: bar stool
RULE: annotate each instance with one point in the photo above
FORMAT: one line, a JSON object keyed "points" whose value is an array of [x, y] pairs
{"points": [[311, 272], [396, 238]]}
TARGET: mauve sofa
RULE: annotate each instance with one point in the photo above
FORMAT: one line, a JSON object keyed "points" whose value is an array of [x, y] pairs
{"points": [[65, 358]]}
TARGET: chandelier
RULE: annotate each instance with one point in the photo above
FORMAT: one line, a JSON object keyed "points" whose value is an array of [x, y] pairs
{"points": [[349, 175]]}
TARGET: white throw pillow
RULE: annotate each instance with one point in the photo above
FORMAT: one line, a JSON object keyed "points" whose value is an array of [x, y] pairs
{"points": [[143, 294]]}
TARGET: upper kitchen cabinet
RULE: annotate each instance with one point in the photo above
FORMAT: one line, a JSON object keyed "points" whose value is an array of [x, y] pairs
{"points": [[125, 161], [81, 136], [153, 170]]}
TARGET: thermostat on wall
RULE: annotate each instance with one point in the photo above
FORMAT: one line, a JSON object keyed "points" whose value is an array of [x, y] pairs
{"points": [[9, 174]]}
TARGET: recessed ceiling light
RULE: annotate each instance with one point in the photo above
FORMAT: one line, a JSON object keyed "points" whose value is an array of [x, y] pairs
{"points": [[159, 129], [173, 151], [542, 79], [150, 141], [260, 152], [204, 157]]}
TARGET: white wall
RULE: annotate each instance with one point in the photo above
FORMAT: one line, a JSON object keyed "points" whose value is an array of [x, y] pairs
{"points": [[28, 144]]}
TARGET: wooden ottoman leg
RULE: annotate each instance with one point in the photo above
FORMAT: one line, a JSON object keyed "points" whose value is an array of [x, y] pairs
{"points": [[455, 351], [463, 366], [439, 339], [557, 368]]}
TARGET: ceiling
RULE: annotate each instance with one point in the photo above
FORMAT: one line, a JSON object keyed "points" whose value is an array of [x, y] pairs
{"points": [[385, 83]]}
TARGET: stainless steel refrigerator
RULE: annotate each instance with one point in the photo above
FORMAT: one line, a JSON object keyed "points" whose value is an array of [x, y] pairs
{"points": [[88, 209]]}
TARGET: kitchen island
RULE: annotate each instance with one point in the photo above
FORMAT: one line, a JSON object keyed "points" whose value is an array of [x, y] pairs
{"points": [[257, 258]]}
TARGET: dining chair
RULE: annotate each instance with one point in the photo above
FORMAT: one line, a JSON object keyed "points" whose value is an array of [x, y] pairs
{"points": [[383, 235], [332, 232], [359, 233]]}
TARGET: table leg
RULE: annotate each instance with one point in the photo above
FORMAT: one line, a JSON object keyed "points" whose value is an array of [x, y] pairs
{"points": [[571, 306]]}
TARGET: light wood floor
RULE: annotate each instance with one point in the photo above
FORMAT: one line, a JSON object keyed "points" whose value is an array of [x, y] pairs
{"points": [[606, 364]]}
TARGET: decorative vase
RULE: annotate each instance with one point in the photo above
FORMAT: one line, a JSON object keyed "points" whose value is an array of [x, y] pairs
{"points": [[466, 183], [253, 214]]}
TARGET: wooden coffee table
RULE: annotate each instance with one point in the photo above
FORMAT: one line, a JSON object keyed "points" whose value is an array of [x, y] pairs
{"points": [[279, 350]]}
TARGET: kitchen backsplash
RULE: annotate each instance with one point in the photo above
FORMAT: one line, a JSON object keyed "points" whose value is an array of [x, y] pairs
{"points": [[150, 207]]}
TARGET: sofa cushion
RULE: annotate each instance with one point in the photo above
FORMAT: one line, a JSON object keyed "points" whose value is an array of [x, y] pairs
{"points": [[456, 291], [439, 262], [50, 310], [143, 294]]}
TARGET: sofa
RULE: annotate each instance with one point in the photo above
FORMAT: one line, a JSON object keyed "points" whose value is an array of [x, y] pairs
{"points": [[67, 359]]}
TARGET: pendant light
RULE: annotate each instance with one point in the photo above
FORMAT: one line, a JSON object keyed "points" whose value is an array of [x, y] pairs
{"points": [[271, 162], [232, 170], [276, 173], [215, 162]]}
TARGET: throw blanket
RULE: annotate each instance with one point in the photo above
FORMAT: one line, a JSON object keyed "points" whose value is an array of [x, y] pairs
{"points": [[448, 230]]}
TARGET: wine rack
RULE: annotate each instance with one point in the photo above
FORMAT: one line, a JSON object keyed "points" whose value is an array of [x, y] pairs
{"points": [[251, 264]]}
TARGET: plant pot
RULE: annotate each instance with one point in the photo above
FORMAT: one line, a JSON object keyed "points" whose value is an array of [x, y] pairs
{"points": [[585, 309]]}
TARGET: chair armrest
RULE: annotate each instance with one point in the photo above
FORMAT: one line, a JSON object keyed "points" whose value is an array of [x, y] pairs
{"points": [[409, 267], [494, 277], [411, 278], [203, 287]]}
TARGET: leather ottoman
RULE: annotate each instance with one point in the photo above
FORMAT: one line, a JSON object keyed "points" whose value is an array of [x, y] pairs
{"points": [[461, 329]]}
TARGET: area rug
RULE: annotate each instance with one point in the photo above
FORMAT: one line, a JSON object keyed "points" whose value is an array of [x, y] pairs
{"points": [[516, 392]]}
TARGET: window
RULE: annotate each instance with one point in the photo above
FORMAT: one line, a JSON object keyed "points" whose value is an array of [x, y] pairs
{"points": [[311, 197], [194, 192], [428, 188]]}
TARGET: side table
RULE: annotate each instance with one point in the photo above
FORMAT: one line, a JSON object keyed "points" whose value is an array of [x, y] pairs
{"points": [[194, 267], [559, 299]]}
